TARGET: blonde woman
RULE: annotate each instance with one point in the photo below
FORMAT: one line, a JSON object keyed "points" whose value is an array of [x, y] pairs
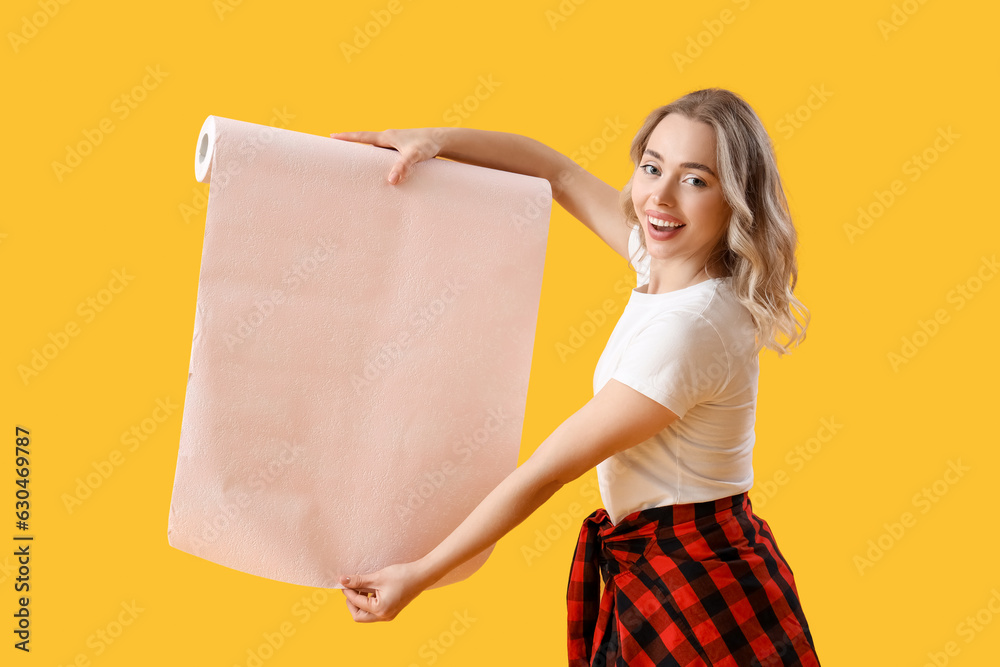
{"points": [[691, 575]]}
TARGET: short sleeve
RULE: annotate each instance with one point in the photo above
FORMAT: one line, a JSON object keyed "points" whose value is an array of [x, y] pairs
{"points": [[678, 359]]}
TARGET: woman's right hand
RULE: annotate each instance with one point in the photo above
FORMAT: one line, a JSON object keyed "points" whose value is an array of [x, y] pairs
{"points": [[414, 145]]}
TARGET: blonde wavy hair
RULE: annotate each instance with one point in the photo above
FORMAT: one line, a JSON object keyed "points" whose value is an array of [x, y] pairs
{"points": [[758, 248]]}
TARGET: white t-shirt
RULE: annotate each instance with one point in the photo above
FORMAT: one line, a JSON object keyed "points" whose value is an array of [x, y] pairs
{"points": [[690, 350]]}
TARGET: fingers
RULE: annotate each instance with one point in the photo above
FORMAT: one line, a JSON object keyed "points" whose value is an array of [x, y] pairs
{"points": [[360, 600], [360, 615], [360, 591], [363, 137], [398, 172], [363, 609], [404, 165], [355, 581]]}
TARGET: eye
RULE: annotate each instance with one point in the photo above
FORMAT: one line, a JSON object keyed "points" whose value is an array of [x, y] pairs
{"points": [[656, 171]]}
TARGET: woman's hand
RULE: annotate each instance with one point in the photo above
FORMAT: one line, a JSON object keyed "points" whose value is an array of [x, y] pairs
{"points": [[413, 145], [394, 587]]}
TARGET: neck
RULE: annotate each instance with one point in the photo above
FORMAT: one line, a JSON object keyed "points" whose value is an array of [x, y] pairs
{"points": [[664, 279]]}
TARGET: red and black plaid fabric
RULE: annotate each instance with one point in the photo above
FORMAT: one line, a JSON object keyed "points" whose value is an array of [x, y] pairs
{"points": [[693, 585]]}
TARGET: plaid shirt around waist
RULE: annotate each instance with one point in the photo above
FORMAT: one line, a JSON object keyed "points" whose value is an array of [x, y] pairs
{"points": [[692, 585]]}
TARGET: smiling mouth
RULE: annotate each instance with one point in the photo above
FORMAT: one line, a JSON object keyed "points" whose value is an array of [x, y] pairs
{"points": [[665, 226]]}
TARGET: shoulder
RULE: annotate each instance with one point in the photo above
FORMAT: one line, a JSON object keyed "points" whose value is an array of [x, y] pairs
{"points": [[678, 358], [683, 331]]}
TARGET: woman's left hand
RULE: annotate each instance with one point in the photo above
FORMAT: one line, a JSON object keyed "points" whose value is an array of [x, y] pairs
{"points": [[394, 587]]}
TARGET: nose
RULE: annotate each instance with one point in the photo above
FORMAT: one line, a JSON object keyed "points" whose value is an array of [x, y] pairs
{"points": [[663, 194]]}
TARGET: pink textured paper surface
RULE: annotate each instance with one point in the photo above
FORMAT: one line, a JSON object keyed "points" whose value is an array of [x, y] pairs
{"points": [[361, 353]]}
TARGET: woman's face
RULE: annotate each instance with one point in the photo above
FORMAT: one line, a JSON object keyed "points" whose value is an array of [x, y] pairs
{"points": [[676, 181]]}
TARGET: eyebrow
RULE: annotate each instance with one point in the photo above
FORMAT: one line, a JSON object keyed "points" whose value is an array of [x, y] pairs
{"points": [[685, 165]]}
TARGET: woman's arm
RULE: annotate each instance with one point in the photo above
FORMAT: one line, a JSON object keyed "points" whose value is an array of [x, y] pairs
{"points": [[498, 150], [617, 418], [586, 197]]}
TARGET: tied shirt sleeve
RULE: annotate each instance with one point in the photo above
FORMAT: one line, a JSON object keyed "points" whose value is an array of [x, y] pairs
{"points": [[678, 359]]}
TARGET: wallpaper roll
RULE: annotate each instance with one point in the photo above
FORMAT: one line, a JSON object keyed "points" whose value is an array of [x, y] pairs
{"points": [[361, 352]]}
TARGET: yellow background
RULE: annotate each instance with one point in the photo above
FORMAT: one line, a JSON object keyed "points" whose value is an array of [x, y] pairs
{"points": [[563, 71]]}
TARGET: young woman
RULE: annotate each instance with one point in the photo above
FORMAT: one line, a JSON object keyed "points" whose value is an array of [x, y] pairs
{"points": [[691, 575]]}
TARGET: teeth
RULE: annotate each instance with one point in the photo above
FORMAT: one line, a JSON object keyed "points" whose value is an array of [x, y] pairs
{"points": [[665, 223]]}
